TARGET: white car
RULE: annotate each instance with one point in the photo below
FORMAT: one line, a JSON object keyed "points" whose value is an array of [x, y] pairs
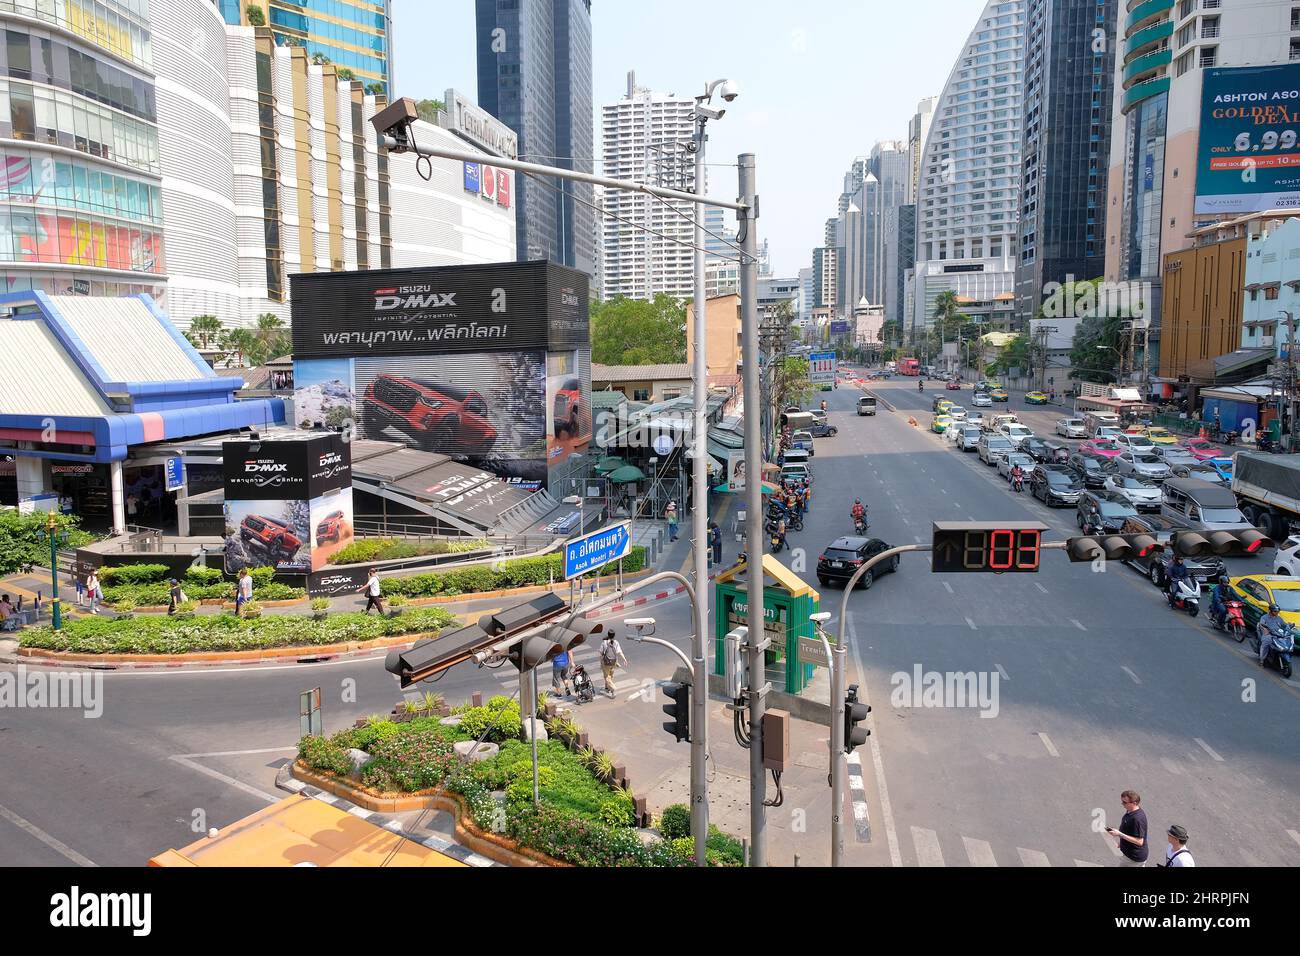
{"points": [[1138, 444], [982, 400], [1140, 466], [1071, 428], [993, 448], [952, 431], [1015, 433], [976, 419], [1009, 461], [968, 439], [1287, 560], [956, 413], [1140, 493]]}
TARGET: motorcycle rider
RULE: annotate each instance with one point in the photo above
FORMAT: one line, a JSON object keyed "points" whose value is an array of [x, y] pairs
{"points": [[1270, 626], [823, 404], [858, 512], [920, 385], [1017, 475], [1176, 572], [1219, 598]]}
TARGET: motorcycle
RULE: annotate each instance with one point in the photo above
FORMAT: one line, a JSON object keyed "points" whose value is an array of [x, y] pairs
{"points": [[1279, 653], [1018, 483], [860, 524], [920, 386], [1232, 621], [1186, 597], [778, 544]]}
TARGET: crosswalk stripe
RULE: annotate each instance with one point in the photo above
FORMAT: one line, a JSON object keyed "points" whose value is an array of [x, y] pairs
{"points": [[979, 852], [1033, 857], [927, 847], [1085, 863]]}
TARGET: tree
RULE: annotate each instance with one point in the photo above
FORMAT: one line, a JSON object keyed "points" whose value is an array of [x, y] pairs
{"points": [[205, 328], [374, 89], [320, 59], [1094, 351], [255, 15], [1015, 354], [344, 73], [790, 383], [632, 332], [428, 109]]}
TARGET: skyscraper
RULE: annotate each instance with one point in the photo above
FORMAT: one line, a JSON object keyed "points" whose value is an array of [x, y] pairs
{"points": [[891, 165], [534, 74], [1065, 146]]}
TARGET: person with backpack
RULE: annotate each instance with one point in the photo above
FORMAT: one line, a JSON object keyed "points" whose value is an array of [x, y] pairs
{"points": [[610, 654], [1176, 853], [560, 673]]}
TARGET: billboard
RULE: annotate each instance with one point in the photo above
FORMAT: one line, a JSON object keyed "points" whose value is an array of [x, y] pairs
{"points": [[821, 367], [1247, 160], [839, 328], [568, 407]]}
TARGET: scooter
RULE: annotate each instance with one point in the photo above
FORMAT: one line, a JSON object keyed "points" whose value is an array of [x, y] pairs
{"points": [[1018, 483], [861, 525], [1232, 620], [1279, 653], [1188, 597], [778, 544], [583, 689], [920, 386]]}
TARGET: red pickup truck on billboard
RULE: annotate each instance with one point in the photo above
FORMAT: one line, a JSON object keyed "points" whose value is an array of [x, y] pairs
{"points": [[909, 366]]}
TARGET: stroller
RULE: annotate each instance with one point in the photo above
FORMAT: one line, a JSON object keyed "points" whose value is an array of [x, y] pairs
{"points": [[583, 689]]}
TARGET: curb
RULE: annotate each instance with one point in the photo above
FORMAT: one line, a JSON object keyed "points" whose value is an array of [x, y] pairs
{"points": [[638, 602]]}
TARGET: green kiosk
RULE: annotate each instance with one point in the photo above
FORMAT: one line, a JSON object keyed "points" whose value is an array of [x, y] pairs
{"points": [[787, 604]]}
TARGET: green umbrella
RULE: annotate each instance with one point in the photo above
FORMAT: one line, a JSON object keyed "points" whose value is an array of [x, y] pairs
{"points": [[606, 465], [626, 474]]}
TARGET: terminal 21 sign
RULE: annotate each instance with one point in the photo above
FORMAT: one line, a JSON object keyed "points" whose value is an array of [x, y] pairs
{"points": [[490, 182]]}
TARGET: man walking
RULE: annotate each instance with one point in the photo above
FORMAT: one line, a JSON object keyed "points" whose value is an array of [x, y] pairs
{"points": [[610, 654], [1131, 837], [243, 589], [371, 588], [1176, 853], [670, 514], [560, 673], [715, 539]]}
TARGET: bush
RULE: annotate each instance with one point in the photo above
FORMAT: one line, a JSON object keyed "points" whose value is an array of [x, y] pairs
{"points": [[255, 15], [618, 811], [203, 577], [128, 574], [675, 822], [408, 761], [366, 550], [21, 541], [573, 839], [499, 718], [320, 604], [322, 753], [518, 573]]}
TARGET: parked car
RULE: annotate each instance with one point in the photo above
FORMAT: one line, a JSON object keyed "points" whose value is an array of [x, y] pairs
{"points": [[1153, 565], [1010, 460], [332, 527], [993, 447], [1055, 485], [1036, 398], [272, 536], [1071, 428], [1101, 448], [968, 438], [1141, 494], [844, 556], [1143, 466], [803, 440], [981, 400], [438, 417], [1138, 444], [797, 472], [1015, 432], [1035, 448], [1111, 512], [1089, 469]]}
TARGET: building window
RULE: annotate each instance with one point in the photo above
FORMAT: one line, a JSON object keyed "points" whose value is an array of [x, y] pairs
{"points": [[1270, 294], [1209, 56], [640, 394]]}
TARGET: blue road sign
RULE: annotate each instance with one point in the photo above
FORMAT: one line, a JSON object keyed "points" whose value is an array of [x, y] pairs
{"points": [[175, 470], [597, 549]]}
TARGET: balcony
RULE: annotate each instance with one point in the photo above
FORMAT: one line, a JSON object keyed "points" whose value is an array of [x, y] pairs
{"points": [[1147, 10], [1148, 36], [1144, 91], [1144, 65]]}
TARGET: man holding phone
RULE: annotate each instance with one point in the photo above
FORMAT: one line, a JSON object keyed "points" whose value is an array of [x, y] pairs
{"points": [[1131, 836]]}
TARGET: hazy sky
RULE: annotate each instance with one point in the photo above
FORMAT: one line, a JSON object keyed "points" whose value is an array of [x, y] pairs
{"points": [[820, 82]]}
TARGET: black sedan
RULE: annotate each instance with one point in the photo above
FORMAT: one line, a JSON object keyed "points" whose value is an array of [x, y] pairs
{"points": [[1036, 449], [1055, 485], [844, 556], [1089, 469]]}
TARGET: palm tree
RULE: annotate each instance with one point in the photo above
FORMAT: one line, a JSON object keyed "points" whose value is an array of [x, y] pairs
{"points": [[205, 327], [242, 342]]}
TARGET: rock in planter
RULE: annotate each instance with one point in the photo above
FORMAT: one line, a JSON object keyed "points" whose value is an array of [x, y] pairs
{"points": [[452, 721], [485, 751], [359, 759], [540, 727]]}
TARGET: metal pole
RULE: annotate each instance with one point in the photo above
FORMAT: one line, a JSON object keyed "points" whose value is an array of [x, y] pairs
{"points": [[748, 220], [532, 732], [836, 660], [56, 614], [700, 527]]}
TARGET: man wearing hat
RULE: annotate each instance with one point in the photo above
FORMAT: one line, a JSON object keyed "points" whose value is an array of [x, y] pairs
{"points": [[1177, 854]]}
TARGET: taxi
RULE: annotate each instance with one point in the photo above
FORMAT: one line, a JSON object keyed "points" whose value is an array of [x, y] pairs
{"points": [[999, 394], [941, 405], [940, 423], [1162, 436], [1035, 398], [1258, 591]]}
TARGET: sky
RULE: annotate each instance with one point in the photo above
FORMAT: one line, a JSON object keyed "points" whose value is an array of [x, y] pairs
{"points": [[820, 82]]}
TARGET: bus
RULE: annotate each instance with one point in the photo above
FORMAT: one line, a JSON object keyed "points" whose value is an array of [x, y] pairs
{"points": [[909, 366]]}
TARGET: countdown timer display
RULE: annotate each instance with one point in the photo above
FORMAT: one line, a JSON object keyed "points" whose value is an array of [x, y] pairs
{"points": [[990, 547]]}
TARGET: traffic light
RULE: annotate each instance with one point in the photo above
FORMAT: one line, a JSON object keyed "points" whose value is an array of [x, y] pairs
{"points": [[431, 657], [679, 710], [854, 714], [1114, 547], [1193, 543]]}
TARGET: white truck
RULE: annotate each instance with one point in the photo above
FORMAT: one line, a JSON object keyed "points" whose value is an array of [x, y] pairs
{"points": [[1268, 492]]}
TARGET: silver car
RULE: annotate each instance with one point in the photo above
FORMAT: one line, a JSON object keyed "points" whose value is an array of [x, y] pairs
{"points": [[969, 438], [1141, 466], [1174, 455], [1138, 444], [1140, 493], [1009, 461], [1071, 428], [993, 448]]}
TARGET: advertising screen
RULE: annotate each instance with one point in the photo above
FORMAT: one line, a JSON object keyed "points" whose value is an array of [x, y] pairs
{"points": [[331, 524], [268, 533], [1248, 160], [568, 408]]}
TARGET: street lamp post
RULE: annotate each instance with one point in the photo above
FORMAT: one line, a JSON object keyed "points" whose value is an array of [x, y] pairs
{"points": [[56, 537]]}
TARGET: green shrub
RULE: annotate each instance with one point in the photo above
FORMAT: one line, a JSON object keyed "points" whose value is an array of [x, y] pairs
{"points": [[683, 847], [409, 761], [365, 550], [500, 718], [675, 822], [729, 850], [320, 604], [22, 542], [618, 811], [322, 753], [203, 577], [574, 839], [134, 574], [517, 573]]}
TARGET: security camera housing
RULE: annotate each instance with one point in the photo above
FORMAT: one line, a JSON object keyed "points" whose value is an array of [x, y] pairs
{"points": [[394, 120], [639, 622], [729, 91]]}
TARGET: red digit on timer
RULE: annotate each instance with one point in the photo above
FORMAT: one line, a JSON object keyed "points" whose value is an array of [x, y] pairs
{"points": [[1002, 546], [1027, 549]]}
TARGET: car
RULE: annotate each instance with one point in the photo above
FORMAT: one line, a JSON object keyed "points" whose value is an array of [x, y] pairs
{"points": [[994, 384], [844, 556], [272, 536], [939, 423], [1153, 564], [822, 430], [968, 438], [795, 472], [953, 431], [803, 439], [1138, 444], [993, 447], [1161, 436], [1010, 460], [866, 405], [1035, 448], [953, 386], [940, 403], [792, 408], [981, 400], [999, 395], [1111, 511], [1090, 469], [981, 386], [976, 419], [1071, 428], [1258, 591], [332, 527], [1107, 431], [1175, 455], [567, 408], [1287, 559], [438, 417], [1200, 449], [1015, 431], [1101, 448], [1141, 494], [994, 422], [1036, 398], [827, 387], [956, 413], [1142, 466], [1222, 466], [818, 415], [1055, 485], [1201, 470]]}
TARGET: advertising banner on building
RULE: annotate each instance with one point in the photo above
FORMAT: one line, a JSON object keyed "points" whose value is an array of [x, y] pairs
{"points": [[821, 367], [736, 470], [839, 328], [1248, 159]]}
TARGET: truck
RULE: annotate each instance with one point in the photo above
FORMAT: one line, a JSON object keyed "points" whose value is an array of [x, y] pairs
{"points": [[1268, 492]]}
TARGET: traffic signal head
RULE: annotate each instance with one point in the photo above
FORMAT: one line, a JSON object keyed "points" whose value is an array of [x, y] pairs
{"points": [[854, 714], [533, 651], [511, 619], [679, 709], [1245, 541], [1113, 547], [431, 657]]}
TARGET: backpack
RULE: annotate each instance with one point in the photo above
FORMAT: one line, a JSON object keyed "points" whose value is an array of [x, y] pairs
{"points": [[608, 653]]}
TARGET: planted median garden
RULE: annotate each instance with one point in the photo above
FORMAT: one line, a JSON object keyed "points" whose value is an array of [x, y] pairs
{"points": [[517, 573], [146, 585]]}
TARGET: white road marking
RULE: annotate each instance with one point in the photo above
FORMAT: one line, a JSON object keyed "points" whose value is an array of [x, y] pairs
{"points": [[1040, 587], [1085, 863], [1208, 749], [1033, 857], [188, 760], [1002, 671], [947, 587], [1078, 624], [1047, 742], [1294, 835], [1137, 680], [878, 764], [858, 793], [55, 844], [972, 624], [979, 852], [927, 847]]}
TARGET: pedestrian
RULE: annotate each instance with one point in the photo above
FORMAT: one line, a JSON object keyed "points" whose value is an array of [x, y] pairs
{"points": [[560, 673], [610, 654], [371, 587], [175, 595], [807, 496], [1131, 837], [80, 581], [670, 514], [1176, 853], [243, 589], [715, 539], [93, 591], [132, 507]]}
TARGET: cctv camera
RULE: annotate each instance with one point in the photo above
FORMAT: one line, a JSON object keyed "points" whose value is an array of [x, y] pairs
{"points": [[709, 112], [395, 120], [821, 617], [639, 622], [729, 90]]}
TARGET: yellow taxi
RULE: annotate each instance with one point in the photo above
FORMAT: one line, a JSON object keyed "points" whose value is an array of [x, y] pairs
{"points": [[940, 423], [1258, 591], [1035, 398], [1162, 436], [999, 394]]}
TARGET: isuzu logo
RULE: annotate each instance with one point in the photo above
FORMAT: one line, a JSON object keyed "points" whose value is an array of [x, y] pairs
{"points": [[264, 467], [412, 297]]}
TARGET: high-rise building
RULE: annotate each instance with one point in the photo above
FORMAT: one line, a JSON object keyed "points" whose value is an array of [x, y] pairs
{"points": [[642, 137], [890, 164], [354, 35], [917, 130], [81, 208], [1065, 145], [968, 198], [534, 74], [824, 277]]}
